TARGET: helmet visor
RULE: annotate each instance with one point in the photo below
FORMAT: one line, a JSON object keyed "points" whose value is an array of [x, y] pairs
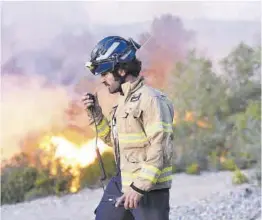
{"points": [[99, 68]]}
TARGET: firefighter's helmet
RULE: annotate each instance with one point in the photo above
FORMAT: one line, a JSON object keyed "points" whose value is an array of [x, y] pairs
{"points": [[110, 51]]}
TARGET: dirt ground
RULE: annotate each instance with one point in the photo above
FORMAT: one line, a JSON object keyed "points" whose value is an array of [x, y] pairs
{"points": [[80, 206]]}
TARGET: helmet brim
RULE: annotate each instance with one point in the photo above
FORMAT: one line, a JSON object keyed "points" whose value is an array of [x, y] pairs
{"points": [[98, 69]]}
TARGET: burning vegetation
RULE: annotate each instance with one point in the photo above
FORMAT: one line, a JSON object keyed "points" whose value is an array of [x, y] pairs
{"points": [[49, 139], [54, 163], [59, 151]]}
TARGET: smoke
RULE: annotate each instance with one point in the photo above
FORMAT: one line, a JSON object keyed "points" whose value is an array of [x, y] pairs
{"points": [[28, 105], [39, 85], [44, 48], [31, 25], [166, 43]]}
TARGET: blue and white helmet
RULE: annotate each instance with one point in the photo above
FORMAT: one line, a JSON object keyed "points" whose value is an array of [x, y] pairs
{"points": [[110, 51]]}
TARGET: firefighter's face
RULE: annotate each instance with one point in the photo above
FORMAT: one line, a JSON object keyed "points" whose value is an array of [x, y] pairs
{"points": [[111, 82]]}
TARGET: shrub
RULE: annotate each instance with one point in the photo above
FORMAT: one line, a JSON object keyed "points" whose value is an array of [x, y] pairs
{"points": [[90, 176], [174, 170], [16, 182], [229, 164], [54, 184], [109, 164], [36, 193], [213, 161], [239, 177], [193, 169]]}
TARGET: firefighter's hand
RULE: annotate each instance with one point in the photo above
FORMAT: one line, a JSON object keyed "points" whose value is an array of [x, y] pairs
{"points": [[90, 101], [130, 199]]}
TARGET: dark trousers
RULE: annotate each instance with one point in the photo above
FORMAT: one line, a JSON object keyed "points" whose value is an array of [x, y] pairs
{"points": [[153, 206]]}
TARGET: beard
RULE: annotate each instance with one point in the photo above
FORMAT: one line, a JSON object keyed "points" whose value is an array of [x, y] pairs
{"points": [[114, 89], [115, 86]]}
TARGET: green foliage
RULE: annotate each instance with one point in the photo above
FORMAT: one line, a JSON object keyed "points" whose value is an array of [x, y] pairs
{"points": [[246, 134], [90, 176], [242, 65], [193, 169], [36, 193], [109, 164], [174, 170], [44, 180], [239, 177], [24, 183], [195, 87], [213, 161], [52, 184], [229, 102], [229, 164], [15, 181]]}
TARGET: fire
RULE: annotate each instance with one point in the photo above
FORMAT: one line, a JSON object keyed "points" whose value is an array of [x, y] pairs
{"points": [[71, 155], [190, 117]]}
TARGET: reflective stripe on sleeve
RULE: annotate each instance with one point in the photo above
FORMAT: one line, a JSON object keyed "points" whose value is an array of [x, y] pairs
{"points": [[132, 138], [150, 173], [103, 128], [159, 126], [166, 175]]}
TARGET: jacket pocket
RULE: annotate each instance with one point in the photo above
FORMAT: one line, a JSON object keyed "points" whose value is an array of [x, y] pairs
{"points": [[130, 121], [135, 156], [131, 112]]}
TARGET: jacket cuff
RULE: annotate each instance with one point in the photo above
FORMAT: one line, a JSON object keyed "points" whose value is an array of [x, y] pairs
{"points": [[97, 114], [143, 184], [140, 191]]}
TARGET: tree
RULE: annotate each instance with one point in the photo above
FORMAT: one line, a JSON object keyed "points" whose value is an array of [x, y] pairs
{"points": [[196, 88], [242, 68], [209, 108], [199, 97]]}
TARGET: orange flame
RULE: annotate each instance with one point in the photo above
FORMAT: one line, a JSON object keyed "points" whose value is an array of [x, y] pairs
{"points": [[190, 117], [71, 155]]}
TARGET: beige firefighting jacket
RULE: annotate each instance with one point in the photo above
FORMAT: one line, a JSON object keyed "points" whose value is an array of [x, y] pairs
{"points": [[144, 119]]}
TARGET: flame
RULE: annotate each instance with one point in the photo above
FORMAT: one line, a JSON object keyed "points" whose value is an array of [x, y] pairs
{"points": [[71, 155], [190, 117]]}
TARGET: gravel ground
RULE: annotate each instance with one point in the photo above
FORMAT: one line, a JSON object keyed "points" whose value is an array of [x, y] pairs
{"points": [[210, 196], [239, 204]]}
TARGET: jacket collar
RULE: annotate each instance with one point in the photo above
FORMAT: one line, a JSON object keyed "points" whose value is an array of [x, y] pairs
{"points": [[128, 88]]}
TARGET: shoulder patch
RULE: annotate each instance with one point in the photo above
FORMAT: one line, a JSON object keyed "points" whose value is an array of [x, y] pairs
{"points": [[135, 98]]}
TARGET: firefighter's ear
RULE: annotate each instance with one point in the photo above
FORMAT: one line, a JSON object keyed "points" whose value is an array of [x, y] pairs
{"points": [[121, 72]]}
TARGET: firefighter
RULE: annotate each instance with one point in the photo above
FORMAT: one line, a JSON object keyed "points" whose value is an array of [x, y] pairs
{"points": [[140, 130]]}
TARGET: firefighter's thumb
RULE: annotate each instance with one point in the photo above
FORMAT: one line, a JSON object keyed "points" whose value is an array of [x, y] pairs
{"points": [[120, 201]]}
